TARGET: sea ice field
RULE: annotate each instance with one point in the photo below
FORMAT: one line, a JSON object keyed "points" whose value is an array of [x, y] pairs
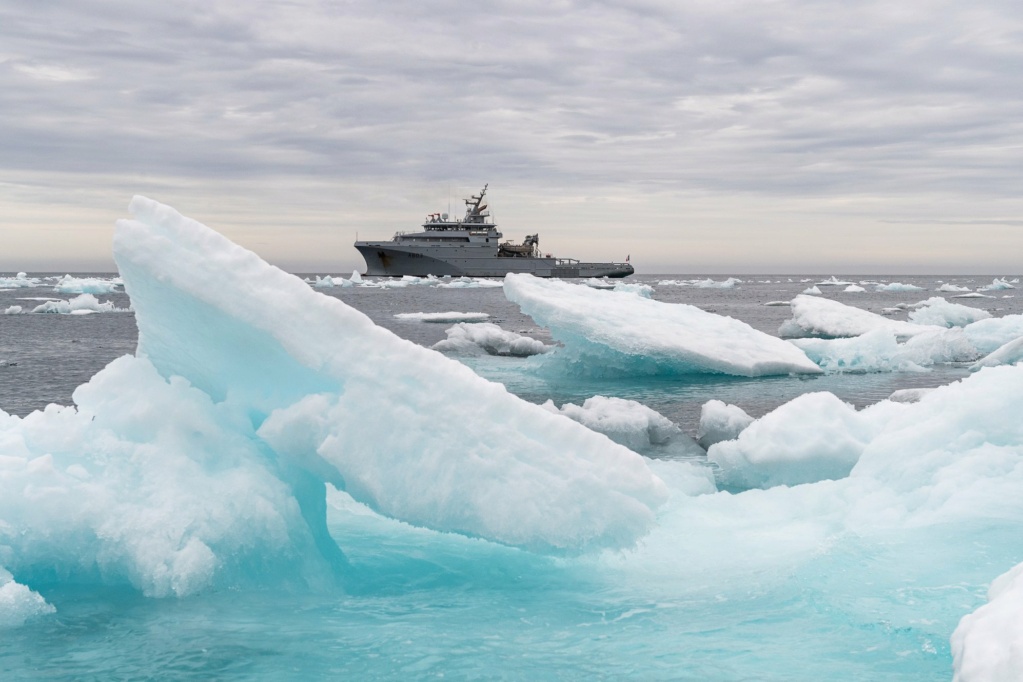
{"points": [[213, 469]]}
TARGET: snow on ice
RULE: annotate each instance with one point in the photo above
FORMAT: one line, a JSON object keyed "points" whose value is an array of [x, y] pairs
{"points": [[604, 332], [485, 337]]}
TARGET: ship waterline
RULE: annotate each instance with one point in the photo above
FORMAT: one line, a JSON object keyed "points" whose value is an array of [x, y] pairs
{"points": [[472, 247]]}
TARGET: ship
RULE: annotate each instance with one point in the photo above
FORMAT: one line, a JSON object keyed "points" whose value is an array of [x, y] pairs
{"points": [[471, 247]]}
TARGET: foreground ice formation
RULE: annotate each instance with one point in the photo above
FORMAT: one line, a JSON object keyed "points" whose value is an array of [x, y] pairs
{"points": [[719, 421], [632, 424], [812, 316], [936, 311], [605, 333], [204, 460], [988, 643], [485, 337]]}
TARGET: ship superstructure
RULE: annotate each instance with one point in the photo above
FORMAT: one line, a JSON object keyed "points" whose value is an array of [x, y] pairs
{"points": [[471, 246]]}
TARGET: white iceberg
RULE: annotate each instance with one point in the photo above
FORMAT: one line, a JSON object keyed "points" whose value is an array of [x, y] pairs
{"points": [[833, 282], [997, 285], [85, 304], [635, 288], [604, 332], [485, 337], [1007, 354], [20, 281], [812, 291], [634, 425], [952, 288], [854, 289], [714, 284]]}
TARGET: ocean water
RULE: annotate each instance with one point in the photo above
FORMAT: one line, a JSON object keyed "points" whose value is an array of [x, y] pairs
{"points": [[689, 603]]}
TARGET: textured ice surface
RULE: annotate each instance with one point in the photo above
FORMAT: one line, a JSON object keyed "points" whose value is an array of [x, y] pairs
{"points": [[83, 304], [86, 285], [812, 316], [19, 281], [632, 424], [1007, 354], [988, 644], [937, 311], [605, 333], [485, 337], [450, 316], [779, 449], [719, 421]]}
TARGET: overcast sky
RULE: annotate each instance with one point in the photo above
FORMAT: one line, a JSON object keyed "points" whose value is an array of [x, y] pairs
{"points": [[695, 136]]}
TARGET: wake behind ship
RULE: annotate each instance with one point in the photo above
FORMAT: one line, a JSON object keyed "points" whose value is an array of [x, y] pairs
{"points": [[471, 247]]}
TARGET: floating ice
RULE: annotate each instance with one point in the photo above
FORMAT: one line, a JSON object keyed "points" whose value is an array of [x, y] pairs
{"points": [[952, 288], [339, 399], [973, 295], [831, 319], [604, 332], [19, 281], [997, 285], [778, 449], [636, 288], [328, 282], [834, 282], [713, 284], [778, 303], [854, 289], [939, 312], [632, 424], [598, 283], [720, 421], [450, 316], [485, 337], [897, 286], [812, 291], [85, 304], [987, 646], [470, 283], [1007, 354], [909, 395], [13, 310], [86, 285], [18, 603]]}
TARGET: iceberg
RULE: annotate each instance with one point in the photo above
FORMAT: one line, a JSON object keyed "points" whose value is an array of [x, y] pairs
{"points": [[948, 287], [485, 337], [632, 424], [605, 332], [635, 288], [812, 291], [203, 461], [19, 281], [18, 603], [834, 282], [854, 289], [1010, 353], [830, 319], [997, 285], [84, 304]]}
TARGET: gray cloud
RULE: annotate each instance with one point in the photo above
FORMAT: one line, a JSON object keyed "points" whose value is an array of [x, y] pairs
{"points": [[888, 106]]}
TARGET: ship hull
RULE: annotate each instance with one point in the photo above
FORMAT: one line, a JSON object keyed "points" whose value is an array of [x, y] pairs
{"points": [[386, 259]]}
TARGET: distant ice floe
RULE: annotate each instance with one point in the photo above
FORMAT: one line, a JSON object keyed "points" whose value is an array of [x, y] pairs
{"points": [[86, 285], [485, 337], [834, 282], [605, 333], [778, 303], [636, 288], [632, 424], [972, 295], [997, 285], [85, 304], [357, 280], [854, 289], [702, 283], [812, 291], [20, 281], [778, 449], [450, 316], [952, 288], [897, 286]]}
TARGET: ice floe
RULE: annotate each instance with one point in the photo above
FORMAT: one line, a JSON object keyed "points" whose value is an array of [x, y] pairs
{"points": [[936, 311], [854, 289], [812, 291], [450, 316], [86, 285], [997, 285], [897, 286], [634, 425], [952, 288], [1007, 354], [485, 337], [18, 603], [85, 304], [830, 319], [606, 333], [20, 281], [987, 645]]}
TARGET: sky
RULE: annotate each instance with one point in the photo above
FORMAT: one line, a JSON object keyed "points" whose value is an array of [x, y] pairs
{"points": [[694, 136]]}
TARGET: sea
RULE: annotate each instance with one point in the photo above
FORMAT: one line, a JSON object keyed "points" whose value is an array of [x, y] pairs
{"points": [[428, 605]]}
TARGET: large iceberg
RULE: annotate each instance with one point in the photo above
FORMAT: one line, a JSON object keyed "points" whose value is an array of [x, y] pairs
{"points": [[936, 311], [605, 332], [204, 460]]}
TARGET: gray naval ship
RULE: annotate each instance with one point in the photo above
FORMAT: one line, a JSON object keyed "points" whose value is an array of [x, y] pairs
{"points": [[472, 247]]}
